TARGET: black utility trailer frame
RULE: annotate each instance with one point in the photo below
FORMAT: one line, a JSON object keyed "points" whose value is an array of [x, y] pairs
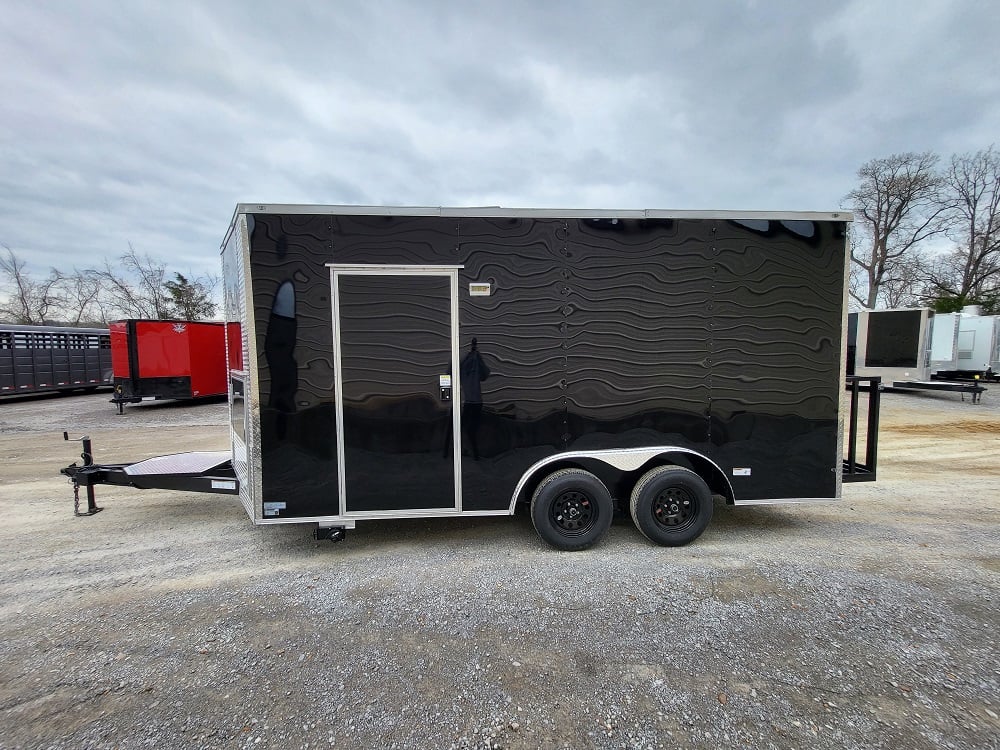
{"points": [[439, 362], [863, 469], [972, 388], [188, 472]]}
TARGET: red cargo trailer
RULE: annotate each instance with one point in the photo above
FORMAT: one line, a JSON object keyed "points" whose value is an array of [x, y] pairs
{"points": [[172, 359]]}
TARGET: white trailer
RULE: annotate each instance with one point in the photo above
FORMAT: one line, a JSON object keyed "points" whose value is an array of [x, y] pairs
{"points": [[944, 342], [898, 346], [978, 346]]}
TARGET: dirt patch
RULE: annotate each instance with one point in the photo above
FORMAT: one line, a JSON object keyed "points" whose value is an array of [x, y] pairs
{"points": [[946, 430]]}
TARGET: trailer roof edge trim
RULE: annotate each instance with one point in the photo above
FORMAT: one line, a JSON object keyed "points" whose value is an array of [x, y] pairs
{"points": [[540, 213], [532, 213]]}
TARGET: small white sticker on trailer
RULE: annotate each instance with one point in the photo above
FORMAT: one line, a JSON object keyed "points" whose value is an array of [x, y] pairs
{"points": [[741, 472], [273, 508], [223, 484]]}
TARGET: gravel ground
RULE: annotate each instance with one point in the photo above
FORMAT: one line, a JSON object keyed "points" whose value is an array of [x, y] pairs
{"points": [[169, 621]]}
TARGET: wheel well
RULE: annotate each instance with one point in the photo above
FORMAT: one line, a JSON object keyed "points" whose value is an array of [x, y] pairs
{"points": [[620, 482], [528, 490], [712, 475]]}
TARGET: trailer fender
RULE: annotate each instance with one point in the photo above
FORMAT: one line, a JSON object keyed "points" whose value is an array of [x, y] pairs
{"points": [[626, 460]]}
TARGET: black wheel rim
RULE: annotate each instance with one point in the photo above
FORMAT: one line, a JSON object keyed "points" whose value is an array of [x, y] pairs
{"points": [[573, 513], [675, 508]]}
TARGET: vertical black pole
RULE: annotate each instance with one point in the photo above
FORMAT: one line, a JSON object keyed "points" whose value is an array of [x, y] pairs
{"points": [[874, 403], [88, 460], [852, 431]]}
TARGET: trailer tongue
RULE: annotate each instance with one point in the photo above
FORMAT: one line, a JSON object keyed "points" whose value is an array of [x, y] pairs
{"points": [[199, 471]]}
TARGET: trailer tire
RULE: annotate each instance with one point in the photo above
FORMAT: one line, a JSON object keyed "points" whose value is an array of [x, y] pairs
{"points": [[671, 505], [572, 509]]}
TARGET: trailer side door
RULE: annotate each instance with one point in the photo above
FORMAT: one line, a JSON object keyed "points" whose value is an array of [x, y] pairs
{"points": [[395, 353]]}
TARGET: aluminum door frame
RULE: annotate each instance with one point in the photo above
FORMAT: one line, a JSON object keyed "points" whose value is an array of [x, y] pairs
{"points": [[374, 269]]}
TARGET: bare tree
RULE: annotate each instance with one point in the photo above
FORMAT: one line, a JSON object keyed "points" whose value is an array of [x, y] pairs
{"points": [[134, 286], [29, 301], [897, 205], [971, 271], [81, 295], [15, 307], [904, 280]]}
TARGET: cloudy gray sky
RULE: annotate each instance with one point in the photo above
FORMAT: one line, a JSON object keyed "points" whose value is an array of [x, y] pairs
{"points": [[147, 122]]}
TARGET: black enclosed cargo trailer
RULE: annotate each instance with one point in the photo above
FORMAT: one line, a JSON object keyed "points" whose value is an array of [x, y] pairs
{"points": [[417, 362]]}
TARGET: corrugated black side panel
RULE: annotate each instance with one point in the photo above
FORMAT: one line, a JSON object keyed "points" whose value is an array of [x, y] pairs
{"points": [[776, 316], [715, 335], [295, 361]]}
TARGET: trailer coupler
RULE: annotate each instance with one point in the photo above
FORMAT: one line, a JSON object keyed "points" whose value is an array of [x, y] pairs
{"points": [[73, 471]]}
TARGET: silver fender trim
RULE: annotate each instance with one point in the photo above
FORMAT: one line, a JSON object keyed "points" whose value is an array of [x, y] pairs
{"points": [[625, 459]]}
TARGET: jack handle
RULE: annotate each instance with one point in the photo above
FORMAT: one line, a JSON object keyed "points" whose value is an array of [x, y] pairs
{"points": [[88, 449]]}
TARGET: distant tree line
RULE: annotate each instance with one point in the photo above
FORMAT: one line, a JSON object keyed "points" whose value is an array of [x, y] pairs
{"points": [[927, 232], [133, 286]]}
